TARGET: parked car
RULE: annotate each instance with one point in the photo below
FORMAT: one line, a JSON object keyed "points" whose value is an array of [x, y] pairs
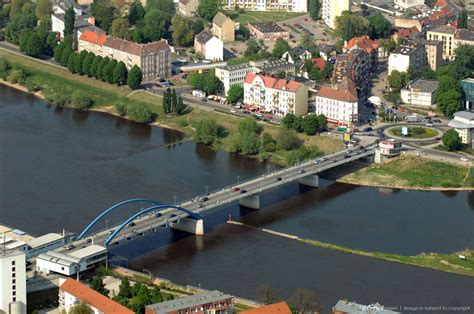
{"points": [[200, 205], [369, 129], [429, 124]]}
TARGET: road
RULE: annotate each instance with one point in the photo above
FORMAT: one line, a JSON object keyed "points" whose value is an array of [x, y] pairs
{"points": [[226, 195]]}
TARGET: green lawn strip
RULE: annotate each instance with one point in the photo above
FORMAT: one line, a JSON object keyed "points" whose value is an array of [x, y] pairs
{"points": [[444, 262], [256, 16], [427, 132]]}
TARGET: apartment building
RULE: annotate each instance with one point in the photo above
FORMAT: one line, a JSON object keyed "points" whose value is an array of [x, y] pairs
{"points": [[340, 103], [419, 92], [267, 5], [406, 56], [370, 47], [467, 87], [434, 53], [331, 9], [206, 302], [223, 28], [209, 46], [445, 34], [188, 7], [354, 65], [464, 37], [276, 96], [154, 59], [13, 281], [268, 31], [463, 123], [235, 74]]}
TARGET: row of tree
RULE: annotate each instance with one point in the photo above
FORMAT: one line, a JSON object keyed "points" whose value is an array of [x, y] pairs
{"points": [[36, 43], [172, 103], [310, 124]]}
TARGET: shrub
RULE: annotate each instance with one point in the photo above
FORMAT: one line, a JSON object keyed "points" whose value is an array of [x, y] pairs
{"points": [[302, 154], [17, 76], [57, 97], [121, 109], [31, 86], [141, 113], [4, 68], [81, 101], [287, 139]]}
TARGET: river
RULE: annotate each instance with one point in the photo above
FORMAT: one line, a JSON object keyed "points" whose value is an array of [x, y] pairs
{"points": [[59, 168]]}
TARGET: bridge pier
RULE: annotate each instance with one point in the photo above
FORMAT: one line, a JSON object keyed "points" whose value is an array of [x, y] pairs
{"points": [[189, 225], [251, 201], [312, 180]]}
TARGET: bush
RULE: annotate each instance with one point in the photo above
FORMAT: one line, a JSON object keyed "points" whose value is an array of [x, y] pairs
{"points": [[141, 113], [81, 101], [4, 68], [17, 76], [31, 86], [121, 109], [451, 140], [57, 98], [207, 131], [301, 154], [287, 139]]}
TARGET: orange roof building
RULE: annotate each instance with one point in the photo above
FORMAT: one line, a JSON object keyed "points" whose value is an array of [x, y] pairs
{"points": [[362, 42], [276, 308], [319, 62], [72, 292], [93, 37]]}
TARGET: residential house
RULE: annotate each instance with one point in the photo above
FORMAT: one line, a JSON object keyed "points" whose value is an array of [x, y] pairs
{"points": [[206, 302], [464, 37], [276, 96], [268, 31], [420, 22], [223, 28], [275, 308], [296, 55], [154, 59], [268, 5], [209, 46], [463, 123], [434, 53], [406, 56], [188, 7], [72, 292], [419, 92], [327, 52], [340, 103], [331, 9]]}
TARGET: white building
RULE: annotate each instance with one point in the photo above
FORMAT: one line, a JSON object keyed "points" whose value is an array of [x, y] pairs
{"points": [[339, 104], [405, 4], [209, 46], [276, 96], [419, 92], [296, 55], [13, 282], [405, 57], [331, 9], [72, 292], [267, 5], [71, 263], [463, 123]]}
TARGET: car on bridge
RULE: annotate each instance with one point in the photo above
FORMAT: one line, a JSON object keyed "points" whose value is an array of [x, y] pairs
{"points": [[302, 171], [243, 191], [279, 179], [204, 198], [236, 188]]}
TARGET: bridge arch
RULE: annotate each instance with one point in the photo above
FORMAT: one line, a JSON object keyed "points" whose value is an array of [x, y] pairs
{"points": [[118, 205], [145, 211]]}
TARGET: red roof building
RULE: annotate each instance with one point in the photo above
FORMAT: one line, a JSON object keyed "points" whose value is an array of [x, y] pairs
{"points": [[93, 37], [72, 292], [319, 62], [276, 308]]}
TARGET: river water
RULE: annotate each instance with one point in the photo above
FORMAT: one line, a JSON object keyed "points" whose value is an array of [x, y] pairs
{"points": [[60, 168]]}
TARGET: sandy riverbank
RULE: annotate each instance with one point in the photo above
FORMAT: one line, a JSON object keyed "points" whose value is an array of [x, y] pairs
{"points": [[22, 88]]}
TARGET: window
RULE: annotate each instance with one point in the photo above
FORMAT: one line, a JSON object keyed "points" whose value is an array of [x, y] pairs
{"points": [[13, 263], [14, 287], [13, 275], [13, 281], [13, 269]]}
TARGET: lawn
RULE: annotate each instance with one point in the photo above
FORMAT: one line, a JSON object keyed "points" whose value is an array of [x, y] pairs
{"points": [[415, 132], [257, 16], [412, 172]]}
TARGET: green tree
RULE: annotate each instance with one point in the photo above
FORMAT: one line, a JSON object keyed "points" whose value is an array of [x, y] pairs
{"points": [[451, 140], [87, 63], [287, 139], [34, 45], [98, 285], [446, 84], [462, 19], [104, 13], [252, 47], [4, 68], [449, 102], [16, 6], [268, 142], [289, 120], [206, 131], [463, 65], [93, 71], [120, 74], [78, 62], [69, 20], [314, 8], [71, 62], [58, 51], [17, 25], [281, 46], [135, 77], [119, 28], [180, 107], [183, 30], [311, 124], [121, 109], [306, 41], [322, 122], [141, 113], [212, 84], [155, 25], [136, 13], [235, 94], [165, 6], [207, 9], [108, 72], [125, 289], [81, 308], [43, 8], [249, 143], [174, 101], [328, 69], [397, 80], [101, 68], [380, 27], [315, 74], [65, 55], [167, 101], [349, 25]]}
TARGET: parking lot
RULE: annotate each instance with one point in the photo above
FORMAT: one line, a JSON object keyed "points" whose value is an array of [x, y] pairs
{"points": [[303, 24]]}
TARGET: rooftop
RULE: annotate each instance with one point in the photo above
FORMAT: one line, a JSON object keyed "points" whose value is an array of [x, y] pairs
{"points": [[267, 27], [93, 37], [468, 80], [465, 34], [93, 298], [10, 253], [276, 308], [59, 258], [405, 50], [345, 91], [354, 308], [363, 42], [220, 19], [445, 29], [88, 251], [424, 86], [204, 36], [45, 239], [271, 82], [189, 301]]}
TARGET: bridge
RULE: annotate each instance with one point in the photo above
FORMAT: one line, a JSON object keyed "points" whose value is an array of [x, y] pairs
{"points": [[188, 215]]}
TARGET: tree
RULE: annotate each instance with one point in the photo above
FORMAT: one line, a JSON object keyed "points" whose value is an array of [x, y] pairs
{"points": [[207, 9], [183, 30], [289, 120], [155, 25], [212, 84], [71, 62], [462, 19], [287, 139], [305, 301], [87, 63], [136, 13], [206, 131], [252, 47], [135, 77], [462, 66], [235, 94], [43, 8], [120, 28], [167, 101], [314, 8], [268, 294], [78, 62], [180, 107], [281, 46], [108, 72], [311, 124], [125, 290], [69, 20], [306, 41], [120, 73], [380, 27], [397, 80], [446, 84], [174, 101], [65, 55], [315, 74], [349, 25], [165, 6], [322, 122], [34, 45], [95, 66], [104, 13], [98, 285], [280, 74], [249, 143], [451, 140], [17, 25], [16, 6], [268, 142], [101, 67], [248, 125], [449, 102], [141, 113], [81, 308]]}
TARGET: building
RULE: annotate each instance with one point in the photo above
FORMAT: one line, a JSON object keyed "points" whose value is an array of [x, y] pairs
{"points": [[444, 34], [390, 148], [296, 55], [72, 292], [13, 281], [406, 56], [434, 53], [464, 37], [355, 66], [371, 48], [405, 4], [276, 308], [340, 104], [276, 96], [420, 23], [209, 46], [463, 123], [331, 9], [327, 52], [188, 7], [268, 31], [154, 59], [467, 87], [223, 28], [346, 307], [207, 302], [235, 74], [70, 263], [419, 92], [267, 5]]}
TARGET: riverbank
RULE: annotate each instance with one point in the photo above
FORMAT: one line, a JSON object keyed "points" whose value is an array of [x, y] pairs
{"points": [[414, 172]]}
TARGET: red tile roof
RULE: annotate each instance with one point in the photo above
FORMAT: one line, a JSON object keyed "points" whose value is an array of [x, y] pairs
{"points": [[363, 42], [277, 308], [93, 37], [319, 62], [93, 298], [346, 91], [271, 82]]}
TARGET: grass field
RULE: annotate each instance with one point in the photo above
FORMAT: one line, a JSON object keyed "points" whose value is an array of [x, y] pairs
{"points": [[257, 16], [413, 172], [415, 132], [444, 262]]}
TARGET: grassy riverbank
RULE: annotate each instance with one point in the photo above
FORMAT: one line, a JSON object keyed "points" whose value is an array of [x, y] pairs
{"points": [[444, 262], [105, 96], [413, 172]]}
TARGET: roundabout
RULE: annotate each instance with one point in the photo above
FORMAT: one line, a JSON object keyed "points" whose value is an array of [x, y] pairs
{"points": [[414, 133]]}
